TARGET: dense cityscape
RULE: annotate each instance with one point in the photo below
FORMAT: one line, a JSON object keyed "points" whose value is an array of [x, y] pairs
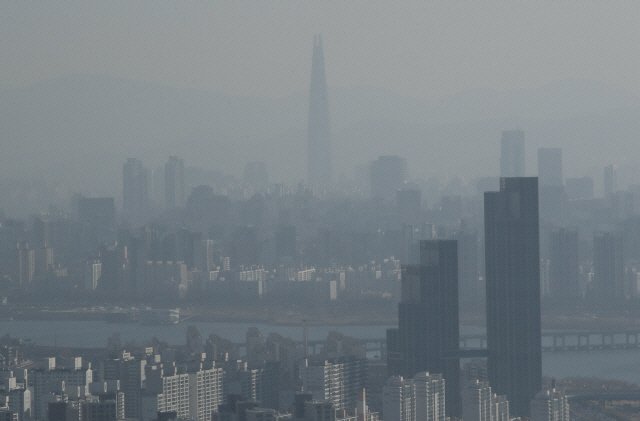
{"points": [[388, 296]]}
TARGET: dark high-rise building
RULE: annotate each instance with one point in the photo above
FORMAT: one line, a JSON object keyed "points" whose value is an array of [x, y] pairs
{"points": [[564, 269], [174, 183], [388, 174], [135, 187], [608, 265], [428, 338], [319, 140], [512, 154], [512, 266]]}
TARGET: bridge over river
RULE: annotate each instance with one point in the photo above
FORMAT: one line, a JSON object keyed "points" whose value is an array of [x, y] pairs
{"points": [[560, 341]]}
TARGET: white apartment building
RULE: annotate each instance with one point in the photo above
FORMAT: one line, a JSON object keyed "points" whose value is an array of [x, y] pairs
{"points": [[336, 380], [419, 399], [550, 405], [193, 395], [72, 381], [480, 404]]}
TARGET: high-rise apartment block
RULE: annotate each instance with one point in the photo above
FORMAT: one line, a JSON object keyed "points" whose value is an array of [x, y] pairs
{"points": [[420, 398], [512, 268], [427, 338], [550, 405], [512, 154], [336, 380], [193, 393], [479, 403], [319, 134]]}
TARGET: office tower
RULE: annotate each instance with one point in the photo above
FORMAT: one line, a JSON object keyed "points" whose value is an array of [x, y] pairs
{"points": [[550, 167], [319, 140], [564, 269], [550, 405], [512, 265], [135, 187], [388, 174], [427, 337], [608, 265], [174, 183], [512, 154], [579, 188], [610, 180]]}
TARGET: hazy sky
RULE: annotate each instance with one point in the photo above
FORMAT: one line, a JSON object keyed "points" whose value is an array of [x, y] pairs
{"points": [[414, 48]]}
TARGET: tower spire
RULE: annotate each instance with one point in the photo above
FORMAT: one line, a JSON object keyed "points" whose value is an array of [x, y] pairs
{"points": [[319, 129]]}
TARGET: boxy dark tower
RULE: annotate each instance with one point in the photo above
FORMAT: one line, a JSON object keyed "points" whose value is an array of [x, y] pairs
{"points": [[428, 335], [512, 257]]}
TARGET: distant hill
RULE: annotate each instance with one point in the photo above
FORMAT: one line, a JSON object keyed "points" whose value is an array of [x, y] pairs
{"points": [[80, 129]]}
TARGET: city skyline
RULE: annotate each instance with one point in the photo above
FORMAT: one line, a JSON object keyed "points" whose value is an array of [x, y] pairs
{"points": [[212, 123], [457, 171]]}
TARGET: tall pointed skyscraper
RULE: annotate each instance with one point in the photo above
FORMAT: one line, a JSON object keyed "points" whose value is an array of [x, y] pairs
{"points": [[319, 141]]}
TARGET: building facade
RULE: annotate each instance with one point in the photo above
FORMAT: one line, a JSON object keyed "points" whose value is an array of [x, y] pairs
{"points": [[512, 264], [428, 337]]}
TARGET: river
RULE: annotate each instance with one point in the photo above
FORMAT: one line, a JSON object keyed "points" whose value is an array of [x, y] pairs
{"points": [[605, 364]]}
